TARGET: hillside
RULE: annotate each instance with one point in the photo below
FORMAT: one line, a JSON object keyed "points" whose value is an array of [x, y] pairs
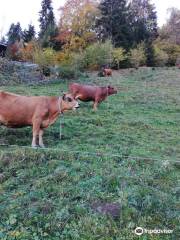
{"points": [[113, 170]]}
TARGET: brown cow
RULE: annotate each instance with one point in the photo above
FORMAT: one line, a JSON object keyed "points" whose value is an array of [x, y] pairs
{"points": [[36, 111], [107, 72], [88, 93]]}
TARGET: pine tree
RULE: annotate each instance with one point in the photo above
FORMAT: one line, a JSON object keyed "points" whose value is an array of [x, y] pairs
{"points": [[149, 52], [47, 23], [29, 34], [113, 23], [143, 21], [15, 33]]}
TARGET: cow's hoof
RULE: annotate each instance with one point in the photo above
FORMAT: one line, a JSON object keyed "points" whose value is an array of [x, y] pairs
{"points": [[42, 146], [35, 146]]}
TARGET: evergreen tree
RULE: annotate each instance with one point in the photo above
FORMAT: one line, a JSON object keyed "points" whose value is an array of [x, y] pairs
{"points": [[149, 52], [143, 21], [47, 23], [15, 33], [114, 23], [29, 34]]}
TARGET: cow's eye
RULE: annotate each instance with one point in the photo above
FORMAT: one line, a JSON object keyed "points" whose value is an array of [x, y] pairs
{"points": [[69, 99]]}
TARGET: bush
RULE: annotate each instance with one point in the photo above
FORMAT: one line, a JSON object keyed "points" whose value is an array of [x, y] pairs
{"points": [[171, 49], [93, 57], [118, 56], [8, 73], [14, 51], [161, 57], [77, 60], [67, 72], [137, 56], [44, 58], [28, 50], [98, 54], [63, 58]]}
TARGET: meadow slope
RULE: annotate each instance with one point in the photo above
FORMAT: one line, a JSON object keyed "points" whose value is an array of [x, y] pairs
{"points": [[128, 153]]}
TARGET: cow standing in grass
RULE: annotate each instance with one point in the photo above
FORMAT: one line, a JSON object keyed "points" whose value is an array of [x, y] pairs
{"points": [[107, 72], [88, 93], [37, 111]]}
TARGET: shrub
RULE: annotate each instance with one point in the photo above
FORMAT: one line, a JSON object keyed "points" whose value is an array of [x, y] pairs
{"points": [[63, 58], [14, 51], [171, 49], [67, 72], [98, 54], [93, 57], [28, 50], [161, 57], [119, 56], [137, 56], [44, 58], [77, 60], [8, 72]]}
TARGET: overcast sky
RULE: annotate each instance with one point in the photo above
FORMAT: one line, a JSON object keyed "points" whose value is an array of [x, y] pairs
{"points": [[25, 11]]}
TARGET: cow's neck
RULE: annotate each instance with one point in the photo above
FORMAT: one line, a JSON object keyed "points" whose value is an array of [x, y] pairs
{"points": [[56, 108], [105, 92]]}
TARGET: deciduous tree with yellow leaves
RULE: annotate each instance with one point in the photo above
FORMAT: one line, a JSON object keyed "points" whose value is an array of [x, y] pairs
{"points": [[77, 22]]}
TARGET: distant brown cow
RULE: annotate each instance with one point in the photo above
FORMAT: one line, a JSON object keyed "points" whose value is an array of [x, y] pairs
{"points": [[37, 111], [107, 72], [88, 93]]}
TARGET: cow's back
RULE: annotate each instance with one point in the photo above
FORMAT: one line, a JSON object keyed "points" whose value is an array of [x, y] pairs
{"points": [[17, 110], [83, 92]]}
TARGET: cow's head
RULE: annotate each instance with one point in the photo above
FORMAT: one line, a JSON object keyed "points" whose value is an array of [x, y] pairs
{"points": [[111, 90], [69, 102]]}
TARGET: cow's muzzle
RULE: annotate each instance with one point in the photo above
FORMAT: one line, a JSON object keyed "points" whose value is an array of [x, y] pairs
{"points": [[76, 106]]}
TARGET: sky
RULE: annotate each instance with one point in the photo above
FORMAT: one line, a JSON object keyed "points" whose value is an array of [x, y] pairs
{"points": [[26, 12]]}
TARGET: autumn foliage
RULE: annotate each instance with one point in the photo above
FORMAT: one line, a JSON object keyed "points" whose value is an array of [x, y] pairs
{"points": [[77, 23]]}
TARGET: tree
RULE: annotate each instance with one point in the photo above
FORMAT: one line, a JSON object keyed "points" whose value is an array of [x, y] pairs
{"points": [[143, 21], [137, 56], [47, 24], [119, 56], [114, 23], [149, 53], [171, 30], [29, 34], [15, 33], [77, 23]]}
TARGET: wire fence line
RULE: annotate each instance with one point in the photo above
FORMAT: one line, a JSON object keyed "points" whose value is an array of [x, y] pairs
{"points": [[98, 154]]}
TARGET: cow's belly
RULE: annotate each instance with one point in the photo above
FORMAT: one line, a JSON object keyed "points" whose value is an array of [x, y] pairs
{"points": [[85, 98], [13, 123]]}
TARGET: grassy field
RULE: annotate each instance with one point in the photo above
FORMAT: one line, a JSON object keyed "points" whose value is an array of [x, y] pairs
{"points": [[113, 170]]}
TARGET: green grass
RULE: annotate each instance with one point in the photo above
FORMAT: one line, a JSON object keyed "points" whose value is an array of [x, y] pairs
{"points": [[127, 152]]}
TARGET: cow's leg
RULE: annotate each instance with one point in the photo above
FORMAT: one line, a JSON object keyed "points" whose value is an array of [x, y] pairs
{"points": [[95, 105], [36, 129], [41, 144]]}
